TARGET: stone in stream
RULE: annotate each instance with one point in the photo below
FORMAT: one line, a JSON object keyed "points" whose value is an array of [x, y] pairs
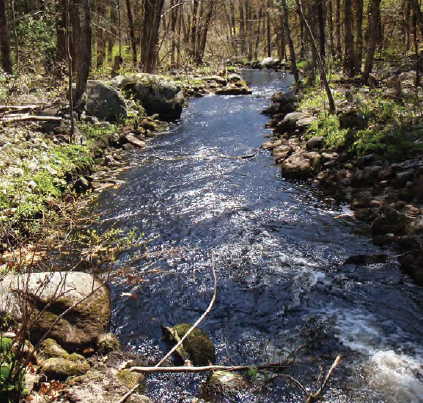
{"points": [[198, 348], [315, 142], [301, 165], [221, 385]]}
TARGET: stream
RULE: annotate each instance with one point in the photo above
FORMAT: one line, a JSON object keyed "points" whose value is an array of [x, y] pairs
{"points": [[277, 248]]}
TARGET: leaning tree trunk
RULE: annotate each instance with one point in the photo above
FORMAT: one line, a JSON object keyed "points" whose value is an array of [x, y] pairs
{"points": [[290, 43], [318, 57], [373, 36], [84, 55], [4, 39]]}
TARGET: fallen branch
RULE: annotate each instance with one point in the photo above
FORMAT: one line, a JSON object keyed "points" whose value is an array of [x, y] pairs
{"points": [[154, 370], [194, 326], [18, 108], [312, 398], [18, 118]]}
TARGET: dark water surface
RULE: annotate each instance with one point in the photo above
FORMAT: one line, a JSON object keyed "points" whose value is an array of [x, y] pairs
{"points": [[278, 250]]}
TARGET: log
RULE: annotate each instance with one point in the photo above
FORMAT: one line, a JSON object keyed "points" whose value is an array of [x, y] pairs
{"points": [[35, 118], [153, 370]]}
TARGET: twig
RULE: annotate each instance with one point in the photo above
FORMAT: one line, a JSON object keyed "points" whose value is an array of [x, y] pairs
{"points": [[153, 370], [316, 396], [15, 118], [123, 399]]}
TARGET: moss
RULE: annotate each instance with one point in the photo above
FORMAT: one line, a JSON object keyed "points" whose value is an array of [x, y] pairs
{"points": [[61, 368], [130, 379], [221, 384]]}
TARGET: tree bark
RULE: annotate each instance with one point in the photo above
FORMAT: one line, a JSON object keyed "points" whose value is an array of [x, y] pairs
{"points": [[194, 26], [101, 45], [338, 29], [268, 36], [330, 23], [205, 30], [152, 17], [4, 40], [290, 43], [359, 38], [321, 22], [349, 39], [319, 59], [84, 55], [132, 32], [373, 36]]}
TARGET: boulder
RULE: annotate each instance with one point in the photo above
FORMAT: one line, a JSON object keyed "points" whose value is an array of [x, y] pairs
{"points": [[269, 145], [218, 79], [55, 293], [156, 94], [221, 385], [62, 368], [300, 165], [352, 119], [104, 102], [282, 152], [303, 124], [269, 62], [234, 78], [233, 91], [392, 222], [315, 142], [198, 347], [289, 123], [412, 264]]}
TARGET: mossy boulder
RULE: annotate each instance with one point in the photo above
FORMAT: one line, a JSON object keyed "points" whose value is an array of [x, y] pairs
{"points": [[156, 94], [130, 379], [198, 347], [222, 384], [62, 368], [55, 293], [49, 348], [107, 342]]}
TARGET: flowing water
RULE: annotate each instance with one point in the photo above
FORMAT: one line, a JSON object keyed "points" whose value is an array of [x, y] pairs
{"points": [[277, 248]]}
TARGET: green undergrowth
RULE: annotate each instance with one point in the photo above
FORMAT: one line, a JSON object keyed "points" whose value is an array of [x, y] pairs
{"points": [[390, 126]]}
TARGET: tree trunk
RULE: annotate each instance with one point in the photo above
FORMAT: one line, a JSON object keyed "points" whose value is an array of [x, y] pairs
{"points": [[61, 37], [330, 23], [15, 34], [84, 57], [242, 27], [4, 40], [373, 36], [415, 6], [290, 43], [132, 33], [152, 17], [75, 44], [258, 33], [338, 29], [359, 38], [205, 30], [349, 39], [194, 27], [321, 23], [268, 36], [112, 34], [101, 45], [319, 59], [406, 28]]}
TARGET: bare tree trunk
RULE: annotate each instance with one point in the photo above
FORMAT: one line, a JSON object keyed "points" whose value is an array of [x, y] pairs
{"points": [[416, 52], [249, 29], [406, 25], [132, 32], [194, 27], [330, 23], [15, 34], [61, 46], [84, 59], [373, 36], [205, 30], [268, 36], [101, 45], [415, 6], [112, 34], [4, 40], [359, 38], [75, 44], [258, 34], [66, 12], [338, 29], [152, 19], [290, 43], [319, 59], [321, 22], [349, 39], [242, 27]]}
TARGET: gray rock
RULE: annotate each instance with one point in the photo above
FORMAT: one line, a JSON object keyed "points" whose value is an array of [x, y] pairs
{"points": [[297, 166], [56, 292], [217, 79], [416, 226], [282, 152], [104, 102], [233, 91], [221, 385], [269, 62], [303, 124], [315, 142], [269, 145], [289, 123], [156, 94], [130, 137], [233, 78]]}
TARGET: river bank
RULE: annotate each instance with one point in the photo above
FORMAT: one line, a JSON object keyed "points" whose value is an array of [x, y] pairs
{"points": [[369, 154]]}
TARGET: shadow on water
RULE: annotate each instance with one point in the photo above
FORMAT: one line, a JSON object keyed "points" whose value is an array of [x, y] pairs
{"points": [[278, 251]]}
